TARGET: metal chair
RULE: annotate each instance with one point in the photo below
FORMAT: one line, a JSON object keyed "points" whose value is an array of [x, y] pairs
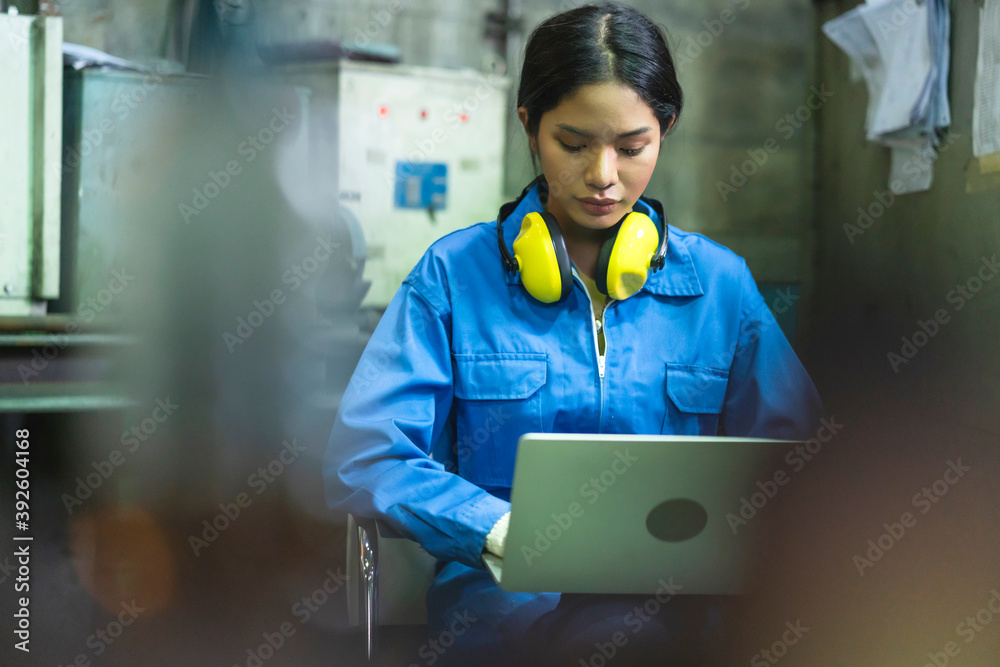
{"points": [[387, 578]]}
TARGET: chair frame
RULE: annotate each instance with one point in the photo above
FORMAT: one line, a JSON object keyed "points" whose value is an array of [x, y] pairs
{"points": [[362, 587]]}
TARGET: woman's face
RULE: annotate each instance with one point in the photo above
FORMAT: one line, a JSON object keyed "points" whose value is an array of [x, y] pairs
{"points": [[597, 151]]}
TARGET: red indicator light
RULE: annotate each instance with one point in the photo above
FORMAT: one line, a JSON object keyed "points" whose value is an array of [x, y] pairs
{"points": [[383, 111], [464, 117]]}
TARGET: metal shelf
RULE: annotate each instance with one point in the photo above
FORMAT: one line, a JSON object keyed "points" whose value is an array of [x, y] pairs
{"points": [[64, 396]]}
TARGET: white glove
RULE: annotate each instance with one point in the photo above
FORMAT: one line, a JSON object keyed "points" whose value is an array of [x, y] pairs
{"points": [[496, 539]]}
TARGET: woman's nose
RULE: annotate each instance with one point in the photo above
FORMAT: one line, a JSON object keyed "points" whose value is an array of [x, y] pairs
{"points": [[601, 172]]}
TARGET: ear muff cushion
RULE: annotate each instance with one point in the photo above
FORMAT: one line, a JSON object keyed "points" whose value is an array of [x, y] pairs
{"points": [[624, 266], [628, 263], [541, 257], [562, 255]]}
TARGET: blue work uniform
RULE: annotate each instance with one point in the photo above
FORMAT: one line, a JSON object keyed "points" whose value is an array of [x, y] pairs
{"points": [[464, 361]]}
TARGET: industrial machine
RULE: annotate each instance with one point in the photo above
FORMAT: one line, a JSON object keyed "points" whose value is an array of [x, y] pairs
{"points": [[419, 152]]}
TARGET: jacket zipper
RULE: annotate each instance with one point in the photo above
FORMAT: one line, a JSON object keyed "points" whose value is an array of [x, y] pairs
{"points": [[602, 358], [597, 347]]}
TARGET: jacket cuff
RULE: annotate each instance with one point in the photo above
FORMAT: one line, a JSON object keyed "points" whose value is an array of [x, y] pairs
{"points": [[482, 514]]}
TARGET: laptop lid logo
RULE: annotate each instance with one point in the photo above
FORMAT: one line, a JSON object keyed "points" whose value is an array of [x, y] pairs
{"points": [[676, 520]]}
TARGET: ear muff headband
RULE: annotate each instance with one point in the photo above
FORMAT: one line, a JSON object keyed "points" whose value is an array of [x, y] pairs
{"points": [[660, 258], [508, 261], [601, 272]]}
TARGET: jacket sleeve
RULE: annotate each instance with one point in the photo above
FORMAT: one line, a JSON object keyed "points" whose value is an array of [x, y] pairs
{"points": [[769, 394], [394, 409]]}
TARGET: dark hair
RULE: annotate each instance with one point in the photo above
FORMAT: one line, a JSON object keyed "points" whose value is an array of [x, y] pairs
{"points": [[596, 44]]}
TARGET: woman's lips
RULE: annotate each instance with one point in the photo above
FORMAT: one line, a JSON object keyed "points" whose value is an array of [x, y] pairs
{"points": [[598, 206]]}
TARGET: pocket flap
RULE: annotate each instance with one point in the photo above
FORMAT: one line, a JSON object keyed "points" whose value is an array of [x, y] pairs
{"points": [[498, 377], [697, 388]]}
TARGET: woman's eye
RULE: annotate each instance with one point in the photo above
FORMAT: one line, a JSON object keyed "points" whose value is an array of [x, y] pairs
{"points": [[571, 149]]}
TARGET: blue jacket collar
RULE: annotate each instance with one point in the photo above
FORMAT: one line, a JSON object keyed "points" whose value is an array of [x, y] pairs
{"points": [[677, 278]]}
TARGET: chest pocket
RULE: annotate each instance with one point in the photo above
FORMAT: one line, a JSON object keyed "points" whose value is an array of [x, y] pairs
{"points": [[498, 400], [695, 395]]}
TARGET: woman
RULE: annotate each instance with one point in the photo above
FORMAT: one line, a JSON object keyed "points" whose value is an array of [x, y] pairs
{"points": [[478, 347]]}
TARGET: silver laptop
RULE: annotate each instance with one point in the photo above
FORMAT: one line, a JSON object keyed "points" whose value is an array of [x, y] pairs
{"points": [[638, 513]]}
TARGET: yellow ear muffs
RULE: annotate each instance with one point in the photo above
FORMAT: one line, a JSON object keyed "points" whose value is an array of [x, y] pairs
{"points": [[624, 260], [541, 257], [544, 265]]}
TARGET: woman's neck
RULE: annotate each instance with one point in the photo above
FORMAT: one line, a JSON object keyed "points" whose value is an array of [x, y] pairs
{"points": [[582, 245]]}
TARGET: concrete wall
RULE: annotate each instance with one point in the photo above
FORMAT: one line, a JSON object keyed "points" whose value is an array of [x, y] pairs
{"points": [[736, 170], [133, 29]]}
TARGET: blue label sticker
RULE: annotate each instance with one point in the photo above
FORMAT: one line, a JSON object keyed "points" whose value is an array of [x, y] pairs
{"points": [[421, 185]]}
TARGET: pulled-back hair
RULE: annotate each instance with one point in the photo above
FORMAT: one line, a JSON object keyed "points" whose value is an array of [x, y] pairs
{"points": [[605, 42]]}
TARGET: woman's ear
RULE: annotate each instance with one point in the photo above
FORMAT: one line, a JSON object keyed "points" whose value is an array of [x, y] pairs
{"points": [[522, 115]]}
